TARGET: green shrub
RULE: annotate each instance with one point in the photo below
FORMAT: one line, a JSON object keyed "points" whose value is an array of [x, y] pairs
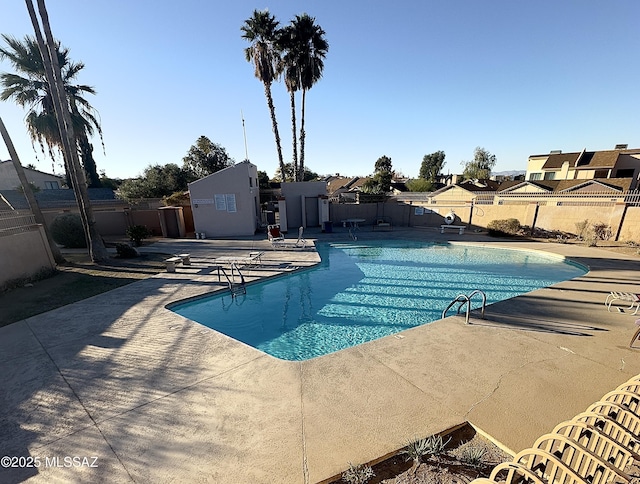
{"points": [[582, 229], [359, 474], [473, 455], [591, 240], [125, 251], [501, 228], [416, 449], [601, 231], [67, 230], [138, 232]]}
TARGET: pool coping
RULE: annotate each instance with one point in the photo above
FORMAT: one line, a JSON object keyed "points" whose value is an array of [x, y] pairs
{"points": [[156, 398]]}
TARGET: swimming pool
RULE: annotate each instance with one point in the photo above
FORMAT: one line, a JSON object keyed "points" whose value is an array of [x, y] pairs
{"points": [[364, 291]]}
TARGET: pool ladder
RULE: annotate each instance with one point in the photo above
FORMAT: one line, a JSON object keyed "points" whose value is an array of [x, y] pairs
{"points": [[235, 287], [463, 299]]}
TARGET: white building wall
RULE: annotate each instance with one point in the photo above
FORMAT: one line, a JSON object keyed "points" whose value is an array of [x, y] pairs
{"points": [[227, 203]]}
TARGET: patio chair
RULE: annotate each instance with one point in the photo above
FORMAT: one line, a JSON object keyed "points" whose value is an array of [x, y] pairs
{"points": [[619, 414], [629, 297], [274, 235], [588, 465], [612, 429], [510, 472], [588, 438], [281, 242], [546, 466]]}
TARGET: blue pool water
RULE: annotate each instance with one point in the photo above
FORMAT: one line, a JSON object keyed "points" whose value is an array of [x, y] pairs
{"points": [[364, 291]]}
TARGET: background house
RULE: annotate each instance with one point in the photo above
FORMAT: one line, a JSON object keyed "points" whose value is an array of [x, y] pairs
{"points": [[586, 165], [344, 189], [227, 203], [9, 178]]}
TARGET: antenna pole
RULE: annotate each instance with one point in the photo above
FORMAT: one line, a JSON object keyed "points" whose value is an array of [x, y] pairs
{"points": [[244, 132]]}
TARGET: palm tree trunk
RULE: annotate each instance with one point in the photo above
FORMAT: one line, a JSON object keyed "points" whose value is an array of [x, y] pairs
{"points": [[97, 250], [274, 123], [302, 135], [294, 137], [31, 199]]}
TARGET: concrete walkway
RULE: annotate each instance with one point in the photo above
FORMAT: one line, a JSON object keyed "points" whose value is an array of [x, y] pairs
{"points": [[148, 396]]}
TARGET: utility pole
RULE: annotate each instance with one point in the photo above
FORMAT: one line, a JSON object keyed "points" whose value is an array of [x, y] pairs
{"points": [[244, 131]]}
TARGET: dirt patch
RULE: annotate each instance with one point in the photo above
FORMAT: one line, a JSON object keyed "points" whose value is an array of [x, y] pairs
{"points": [[451, 467], [76, 279]]}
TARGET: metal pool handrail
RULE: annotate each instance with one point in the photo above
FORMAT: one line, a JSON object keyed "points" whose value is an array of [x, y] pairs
{"points": [[234, 288], [463, 299]]}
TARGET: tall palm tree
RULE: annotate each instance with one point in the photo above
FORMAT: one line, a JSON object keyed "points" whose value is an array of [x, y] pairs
{"points": [[54, 76], [289, 67], [261, 30], [311, 50], [29, 88]]}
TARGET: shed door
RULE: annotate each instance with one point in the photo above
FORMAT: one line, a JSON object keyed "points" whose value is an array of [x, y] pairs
{"points": [[311, 211]]}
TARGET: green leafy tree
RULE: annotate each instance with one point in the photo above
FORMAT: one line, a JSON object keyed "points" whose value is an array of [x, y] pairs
{"points": [[206, 157], [263, 179], [261, 30], [432, 165], [308, 175], [481, 165], [380, 183], [157, 181], [106, 182], [30, 89], [419, 185]]}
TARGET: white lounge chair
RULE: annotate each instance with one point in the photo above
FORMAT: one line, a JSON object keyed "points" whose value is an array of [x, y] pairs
{"points": [[629, 297], [301, 243]]}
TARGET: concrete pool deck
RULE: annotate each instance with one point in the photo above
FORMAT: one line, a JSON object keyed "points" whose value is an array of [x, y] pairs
{"points": [[154, 397]]}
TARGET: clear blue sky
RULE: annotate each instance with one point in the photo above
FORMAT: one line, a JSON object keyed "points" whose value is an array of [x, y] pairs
{"points": [[401, 79]]}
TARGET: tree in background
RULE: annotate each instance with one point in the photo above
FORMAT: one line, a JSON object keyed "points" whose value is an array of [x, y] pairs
{"points": [[157, 181], [30, 89], [310, 52], [263, 180], [206, 157], [380, 183], [432, 165], [307, 175], [481, 165], [107, 182], [261, 30], [419, 185]]}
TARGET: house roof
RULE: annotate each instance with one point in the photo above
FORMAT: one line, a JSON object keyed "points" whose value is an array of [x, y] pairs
{"points": [[604, 184], [228, 168], [511, 185], [480, 185], [556, 160], [598, 159], [345, 184], [55, 198], [585, 160], [34, 170]]}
